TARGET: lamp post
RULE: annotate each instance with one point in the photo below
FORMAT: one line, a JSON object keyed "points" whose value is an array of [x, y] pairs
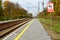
{"points": [[38, 7], [11, 11], [10, 7]]}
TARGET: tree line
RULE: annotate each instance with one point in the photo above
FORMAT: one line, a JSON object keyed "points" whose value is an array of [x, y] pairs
{"points": [[10, 10]]}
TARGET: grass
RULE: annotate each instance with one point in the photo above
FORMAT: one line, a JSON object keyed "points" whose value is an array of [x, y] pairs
{"points": [[1, 18], [55, 24]]}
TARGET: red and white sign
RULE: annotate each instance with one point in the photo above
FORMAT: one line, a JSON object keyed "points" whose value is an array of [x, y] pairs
{"points": [[50, 7]]}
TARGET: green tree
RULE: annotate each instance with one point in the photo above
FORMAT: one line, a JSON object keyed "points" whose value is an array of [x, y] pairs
{"points": [[56, 7], [1, 9]]}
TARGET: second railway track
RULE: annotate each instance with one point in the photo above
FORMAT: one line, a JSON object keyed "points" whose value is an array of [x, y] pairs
{"points": [[6, 28]]}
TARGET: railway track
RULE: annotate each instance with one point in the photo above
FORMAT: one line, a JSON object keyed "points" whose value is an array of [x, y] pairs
{"points": [[8, 27]]}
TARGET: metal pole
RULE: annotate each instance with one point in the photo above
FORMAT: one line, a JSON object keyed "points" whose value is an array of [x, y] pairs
{"points": [[11, 11], [38, 7], [51, 20], [17, 8], [43, 11], [43, 6]]}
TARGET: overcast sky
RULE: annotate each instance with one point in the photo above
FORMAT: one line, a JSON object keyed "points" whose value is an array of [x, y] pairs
{"points": [[31, 5]]}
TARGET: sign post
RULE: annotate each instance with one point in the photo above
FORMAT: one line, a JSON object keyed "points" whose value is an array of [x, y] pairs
{"points": [[50, 9]]}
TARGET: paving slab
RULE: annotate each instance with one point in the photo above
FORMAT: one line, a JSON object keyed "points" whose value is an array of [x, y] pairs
{"points": [[35, 32]]}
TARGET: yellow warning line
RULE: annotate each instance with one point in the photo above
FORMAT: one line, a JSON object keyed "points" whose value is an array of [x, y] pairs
{"points": [[19, 36]]}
